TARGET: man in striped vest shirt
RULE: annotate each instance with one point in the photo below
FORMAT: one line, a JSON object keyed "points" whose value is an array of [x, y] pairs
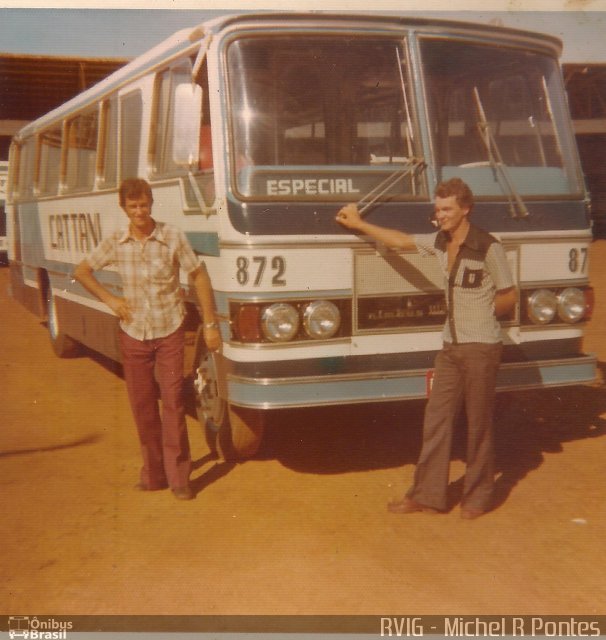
{"points": [[479, 288]]}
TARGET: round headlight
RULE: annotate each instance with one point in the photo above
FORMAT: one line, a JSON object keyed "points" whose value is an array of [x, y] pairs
{"points": [[280, 322], [321, 319], [542, 306], [571, 305]]}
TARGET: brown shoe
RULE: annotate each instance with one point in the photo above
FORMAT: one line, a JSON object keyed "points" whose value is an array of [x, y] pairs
{"points": [[183, 493], [408, 505], [468, 513]]}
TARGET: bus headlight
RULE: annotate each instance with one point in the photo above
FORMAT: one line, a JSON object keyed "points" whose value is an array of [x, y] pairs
{"points": [[542, 306], [321, 319], [571, 305], [280, 322]]}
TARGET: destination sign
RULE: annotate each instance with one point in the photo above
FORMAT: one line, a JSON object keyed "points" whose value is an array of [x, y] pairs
{"points": [[268, 182]]}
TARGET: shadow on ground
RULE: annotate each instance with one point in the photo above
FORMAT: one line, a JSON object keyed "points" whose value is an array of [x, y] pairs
{"points": [[344, 439], [365, 437]]}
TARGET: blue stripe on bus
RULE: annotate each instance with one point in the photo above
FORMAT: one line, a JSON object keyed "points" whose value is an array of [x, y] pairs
{"points": [[329, 391], [206, 244]]}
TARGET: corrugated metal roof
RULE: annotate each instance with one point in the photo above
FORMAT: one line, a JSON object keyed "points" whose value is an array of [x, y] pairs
{"points": [[31, 85]]}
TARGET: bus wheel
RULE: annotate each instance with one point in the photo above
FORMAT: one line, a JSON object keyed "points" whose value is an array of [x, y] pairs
{"points": [[232, 433], [62, 344]]}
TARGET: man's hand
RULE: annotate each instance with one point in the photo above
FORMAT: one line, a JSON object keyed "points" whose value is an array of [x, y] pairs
{"points": [[120, 307], [505, 301], [83, 273], [349, 216], [212, 338]]}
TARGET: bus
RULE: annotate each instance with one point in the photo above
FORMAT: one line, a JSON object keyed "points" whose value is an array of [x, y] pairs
{"points": [[3, 179], [253, 130]]}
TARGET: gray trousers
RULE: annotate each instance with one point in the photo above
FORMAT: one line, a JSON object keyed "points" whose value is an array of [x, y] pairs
{"points": [[463, 372]]}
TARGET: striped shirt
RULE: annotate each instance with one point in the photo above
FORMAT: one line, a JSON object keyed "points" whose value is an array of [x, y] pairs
{"points": [[149, 270], [480, 270]]}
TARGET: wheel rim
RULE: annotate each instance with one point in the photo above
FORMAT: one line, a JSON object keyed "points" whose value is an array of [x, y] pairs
{"points": [[211, 405]]}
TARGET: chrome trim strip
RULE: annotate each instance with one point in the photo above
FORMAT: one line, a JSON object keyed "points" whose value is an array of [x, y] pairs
{"points": [[553, 284], [509, 240], [506, 366]]}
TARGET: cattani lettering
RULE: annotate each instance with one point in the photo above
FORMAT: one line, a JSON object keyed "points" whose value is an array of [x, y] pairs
{"points": [[310, 186], [79, 232]]}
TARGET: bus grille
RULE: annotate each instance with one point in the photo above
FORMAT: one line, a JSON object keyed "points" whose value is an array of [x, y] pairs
{"points": [[397, 291]]}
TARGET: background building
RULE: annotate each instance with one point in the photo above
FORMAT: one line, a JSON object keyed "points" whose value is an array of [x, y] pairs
{"points": [[31, 85], [586, 85]]}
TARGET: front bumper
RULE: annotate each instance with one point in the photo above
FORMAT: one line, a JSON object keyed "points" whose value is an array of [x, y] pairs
{"points": [[350, 388]]}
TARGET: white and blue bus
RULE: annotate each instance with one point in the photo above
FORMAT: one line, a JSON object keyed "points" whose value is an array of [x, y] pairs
{"points": [[253, 131]]}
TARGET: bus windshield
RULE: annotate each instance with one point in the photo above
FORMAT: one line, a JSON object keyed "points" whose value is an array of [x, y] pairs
{"points": [[497, 117], [320, 118]]}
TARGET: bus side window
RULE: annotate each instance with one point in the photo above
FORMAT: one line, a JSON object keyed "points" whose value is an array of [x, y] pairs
{"points": [[206, 178], [130, 134], [27, 159], [205, 161], [49, 162], [82, 151], [107, 170]]}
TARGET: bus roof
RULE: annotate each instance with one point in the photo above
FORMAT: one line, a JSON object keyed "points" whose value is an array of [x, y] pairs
{"points": [[189, 38], [425, 23]]}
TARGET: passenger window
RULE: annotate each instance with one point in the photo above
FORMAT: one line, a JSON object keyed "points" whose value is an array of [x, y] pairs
{"points": [[206, 177], [108, 149], [49, 169], [130, 134], [82, 151], [27, 159]]}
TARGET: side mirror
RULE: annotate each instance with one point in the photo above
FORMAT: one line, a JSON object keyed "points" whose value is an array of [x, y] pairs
{"points": [[187, 113]]}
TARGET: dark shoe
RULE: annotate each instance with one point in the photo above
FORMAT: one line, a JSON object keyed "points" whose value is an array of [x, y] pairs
{"points": [[468, 513], [183, 493], [142, 486], [408, 505]]}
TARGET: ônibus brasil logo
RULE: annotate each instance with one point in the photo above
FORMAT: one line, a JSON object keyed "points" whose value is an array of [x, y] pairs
{"points": [[37, 629]]}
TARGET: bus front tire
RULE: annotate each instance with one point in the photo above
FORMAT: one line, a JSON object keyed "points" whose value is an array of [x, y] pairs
{"points": [[232, 433], [238, 437]]}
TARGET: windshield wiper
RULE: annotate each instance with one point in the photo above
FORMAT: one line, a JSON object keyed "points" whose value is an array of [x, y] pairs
{"points": [[517, 207], [414, 166]]}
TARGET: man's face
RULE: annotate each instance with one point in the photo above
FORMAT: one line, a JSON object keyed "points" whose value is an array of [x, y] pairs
{"points": [[449, 214], [138, 211]]}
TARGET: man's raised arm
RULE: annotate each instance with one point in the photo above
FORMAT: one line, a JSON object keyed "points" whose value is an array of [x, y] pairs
{"points": [[350, 218]]}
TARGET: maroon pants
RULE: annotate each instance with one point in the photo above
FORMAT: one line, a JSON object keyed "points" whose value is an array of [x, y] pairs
{"points": [[464, 372], [153, 369]]}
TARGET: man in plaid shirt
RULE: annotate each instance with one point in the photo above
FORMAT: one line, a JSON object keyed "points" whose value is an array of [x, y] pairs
{"points": [[479, 288], [149, 256]]}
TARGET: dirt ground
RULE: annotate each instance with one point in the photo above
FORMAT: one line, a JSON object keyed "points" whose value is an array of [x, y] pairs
{"points": [[302, 528]]}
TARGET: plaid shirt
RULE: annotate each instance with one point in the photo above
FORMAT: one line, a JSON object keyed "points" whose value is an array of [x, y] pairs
{"points": [[479, 271], [149, 271]]}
